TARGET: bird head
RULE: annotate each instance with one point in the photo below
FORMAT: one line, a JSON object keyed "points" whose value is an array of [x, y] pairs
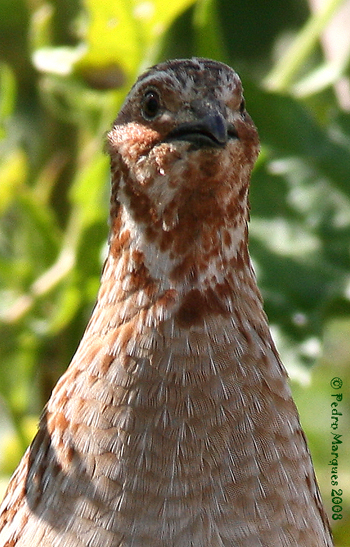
{"points": [[182, 149]]}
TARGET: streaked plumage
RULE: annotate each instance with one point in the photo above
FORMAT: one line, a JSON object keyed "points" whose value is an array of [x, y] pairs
{"points": [[174, 425]]}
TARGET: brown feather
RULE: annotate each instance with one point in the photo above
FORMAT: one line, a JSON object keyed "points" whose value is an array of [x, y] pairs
{"points": [[174, 425]]}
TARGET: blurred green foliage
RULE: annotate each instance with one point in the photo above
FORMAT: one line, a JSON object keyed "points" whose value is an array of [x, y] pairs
{"points": [[65, 67]]}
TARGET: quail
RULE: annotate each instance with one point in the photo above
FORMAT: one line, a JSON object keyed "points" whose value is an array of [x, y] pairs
{"points": [[174, 425]]}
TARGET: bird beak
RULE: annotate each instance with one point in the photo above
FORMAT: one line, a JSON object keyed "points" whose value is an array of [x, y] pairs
{"points": [[209, 131]]}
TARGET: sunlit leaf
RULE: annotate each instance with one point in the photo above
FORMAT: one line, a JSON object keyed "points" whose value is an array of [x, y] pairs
{"points": [[125, 32], [57, 60], [113, 35], [13, 173]]}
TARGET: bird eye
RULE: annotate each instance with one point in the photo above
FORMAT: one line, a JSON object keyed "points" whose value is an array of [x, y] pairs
{"points": [[150, 105]]}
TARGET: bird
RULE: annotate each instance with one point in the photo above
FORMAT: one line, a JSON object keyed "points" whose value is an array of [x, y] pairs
{"points": [[174, 424]]}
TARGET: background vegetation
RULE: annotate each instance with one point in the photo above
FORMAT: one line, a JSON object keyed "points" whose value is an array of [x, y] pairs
{"points": [[65, 69]]}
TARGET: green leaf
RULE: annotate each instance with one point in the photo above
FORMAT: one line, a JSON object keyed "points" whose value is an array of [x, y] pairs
{"points": [[7, 92], [209, 38], [13, 173], [65, 308], [126, 33], [112, 36], [87, 191], [289, 129]]}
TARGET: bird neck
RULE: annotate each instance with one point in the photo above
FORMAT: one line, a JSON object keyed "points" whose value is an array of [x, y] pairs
{"points": [[194, 252], [145, 283]]}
